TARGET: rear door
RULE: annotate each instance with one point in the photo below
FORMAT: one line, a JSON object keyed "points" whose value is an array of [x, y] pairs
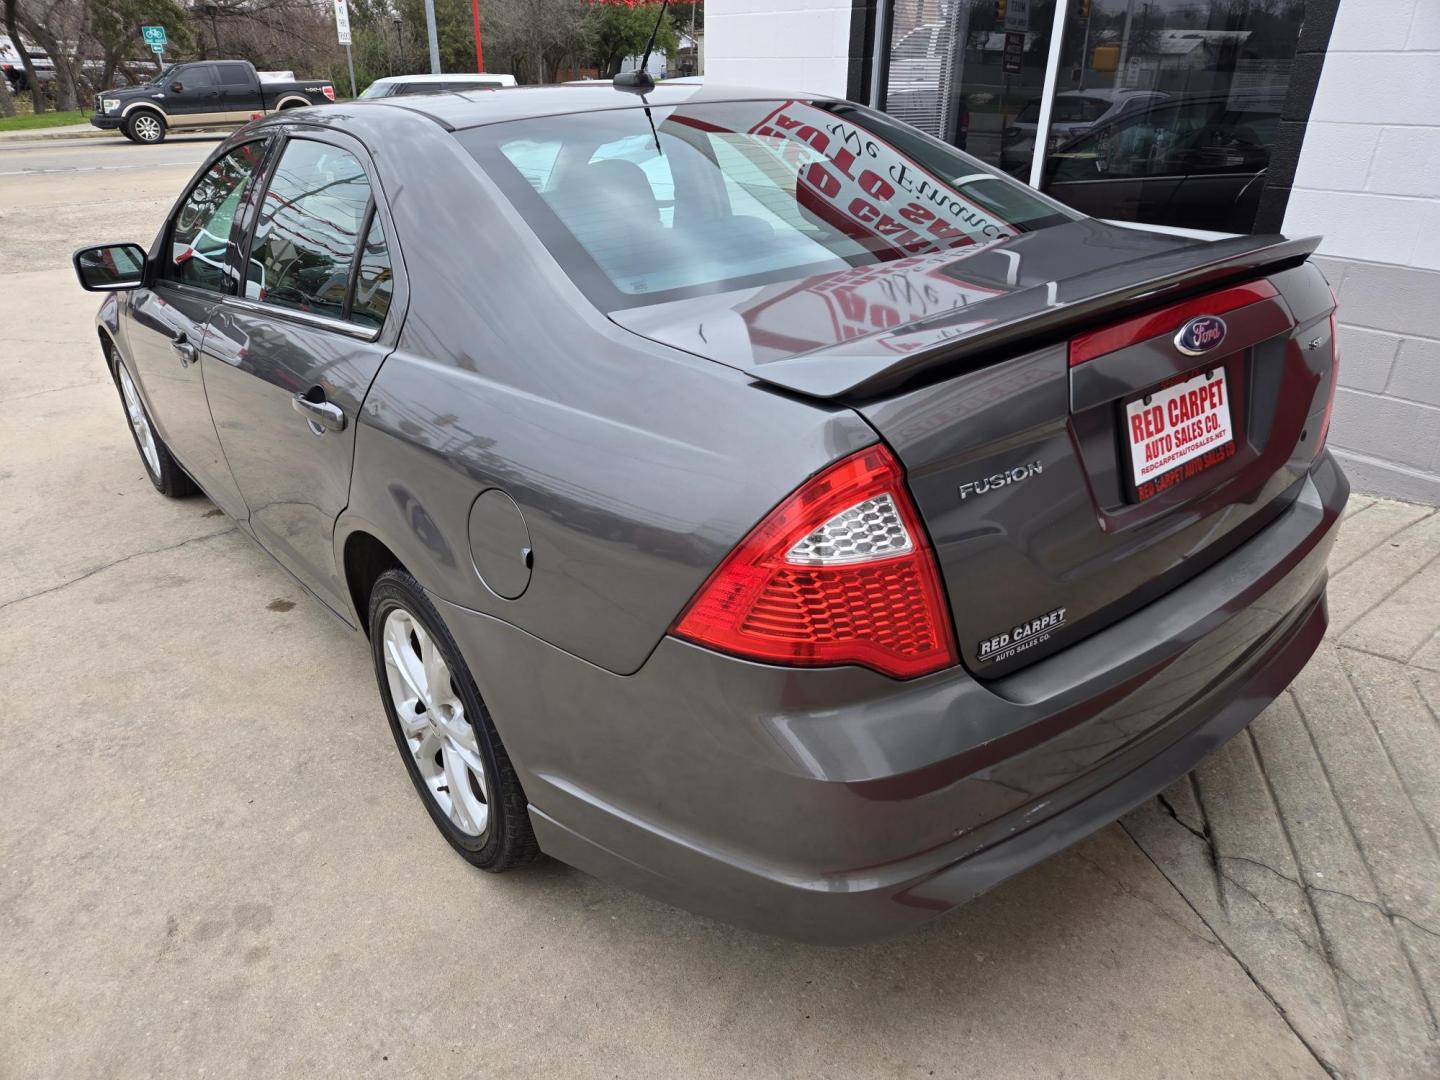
{"points": [[166, 323], [239, 91], [288, 363]]}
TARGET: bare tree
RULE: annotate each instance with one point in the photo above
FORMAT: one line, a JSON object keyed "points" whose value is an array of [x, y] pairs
{"points": [[12, 27], [53, 24]]}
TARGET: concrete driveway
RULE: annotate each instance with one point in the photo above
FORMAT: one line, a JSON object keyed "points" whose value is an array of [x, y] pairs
{"points": [[212, 862]]}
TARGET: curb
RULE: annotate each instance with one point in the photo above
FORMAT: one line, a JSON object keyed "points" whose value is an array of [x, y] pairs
{"points": [[46, 133]]}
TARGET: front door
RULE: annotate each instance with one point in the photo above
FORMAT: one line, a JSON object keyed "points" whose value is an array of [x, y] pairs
{"points": [[288, 365], [193, 97], [167, 321]]}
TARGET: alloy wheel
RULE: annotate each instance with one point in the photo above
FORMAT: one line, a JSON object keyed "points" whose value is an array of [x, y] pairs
{"points": [[139, 422], [437, 732], [148, 128]]}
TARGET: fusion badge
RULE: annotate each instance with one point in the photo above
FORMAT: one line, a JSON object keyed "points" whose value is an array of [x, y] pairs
{"points": [[1000, 479], [1020, 638], [1200, 335]]}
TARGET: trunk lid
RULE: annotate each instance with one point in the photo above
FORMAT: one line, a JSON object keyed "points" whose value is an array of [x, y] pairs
{"points": [[1011, 382]]}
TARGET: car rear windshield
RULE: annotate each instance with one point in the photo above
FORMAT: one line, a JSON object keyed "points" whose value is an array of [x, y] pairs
{"points": [[728, 195]]}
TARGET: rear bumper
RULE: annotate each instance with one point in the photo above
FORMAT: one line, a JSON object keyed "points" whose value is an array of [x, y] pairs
{"points": [[836, 805]]}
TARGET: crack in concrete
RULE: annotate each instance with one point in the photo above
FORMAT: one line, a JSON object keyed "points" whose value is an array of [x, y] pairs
{"points": [[1381, 908], [51, 390], [1131, 892], [1255, 981], [123, 559]]}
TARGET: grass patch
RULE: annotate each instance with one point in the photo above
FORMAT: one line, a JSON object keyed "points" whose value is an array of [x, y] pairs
{"points": [[29, 121]]}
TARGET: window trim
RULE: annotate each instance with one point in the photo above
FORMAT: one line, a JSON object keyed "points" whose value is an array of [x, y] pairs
{"points": [[400, 296]]}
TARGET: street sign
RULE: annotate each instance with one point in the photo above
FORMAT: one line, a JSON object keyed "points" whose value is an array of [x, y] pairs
{"points": [[158, 48], [342, 22], [154, 37], [1014, 53], [1017, 14]]}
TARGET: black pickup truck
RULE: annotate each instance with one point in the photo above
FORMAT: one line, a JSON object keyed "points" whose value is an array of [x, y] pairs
{"points": [[207, 93]]}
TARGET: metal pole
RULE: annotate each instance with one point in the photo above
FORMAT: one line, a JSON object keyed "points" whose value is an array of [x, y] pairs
{"points": [[1124, 44], [434, 39], [878, 48], [1047, 95], [479, 49], [350, 60]]}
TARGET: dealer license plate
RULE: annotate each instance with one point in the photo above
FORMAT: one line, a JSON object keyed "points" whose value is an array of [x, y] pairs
{"points": [[1178, 432]]}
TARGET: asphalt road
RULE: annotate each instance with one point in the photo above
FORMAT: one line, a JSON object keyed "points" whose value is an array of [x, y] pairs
{"points": [[212, 861], [24, 157]]}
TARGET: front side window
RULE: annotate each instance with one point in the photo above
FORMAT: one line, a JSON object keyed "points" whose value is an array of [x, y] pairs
{"points": [[1206, 134], [197, 76], [725, 195], [308, 230], [201, 232]]}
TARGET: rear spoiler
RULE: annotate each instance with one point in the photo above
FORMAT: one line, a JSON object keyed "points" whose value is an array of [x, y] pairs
{"points": [[1026, 319]]}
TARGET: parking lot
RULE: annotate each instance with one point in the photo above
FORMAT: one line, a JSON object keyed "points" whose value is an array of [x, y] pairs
{"points": [[212, 862]]}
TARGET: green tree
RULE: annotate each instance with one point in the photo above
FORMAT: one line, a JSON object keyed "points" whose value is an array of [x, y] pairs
{"points": [[619, 31], [115, 26]]}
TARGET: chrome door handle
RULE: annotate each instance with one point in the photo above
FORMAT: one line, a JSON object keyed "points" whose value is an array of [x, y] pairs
{"points": [[181, 344], [321, 415]]}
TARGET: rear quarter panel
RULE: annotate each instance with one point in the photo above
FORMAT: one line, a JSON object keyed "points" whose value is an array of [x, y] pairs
{"points": [[636, 467]]}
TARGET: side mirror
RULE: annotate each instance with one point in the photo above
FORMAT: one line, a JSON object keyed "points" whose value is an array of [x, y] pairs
{"points": [[177, 88], [110, 267]]}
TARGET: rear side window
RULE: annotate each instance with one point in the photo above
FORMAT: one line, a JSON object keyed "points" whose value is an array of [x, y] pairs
{"points": [[308, 230], [234, 75], [727, 195], [374, 281]]}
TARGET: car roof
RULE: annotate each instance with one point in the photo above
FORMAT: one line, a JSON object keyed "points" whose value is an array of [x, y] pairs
{"points": [[461, 109], [1109, 94], [456, 77]]}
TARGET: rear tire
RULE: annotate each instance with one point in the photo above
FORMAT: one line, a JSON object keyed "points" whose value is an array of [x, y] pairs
{"points": [[145, 126], [443, 731], [162, 469]]}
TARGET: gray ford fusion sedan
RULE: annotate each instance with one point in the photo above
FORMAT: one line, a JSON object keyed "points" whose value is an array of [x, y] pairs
{"points": [[746, 498]]}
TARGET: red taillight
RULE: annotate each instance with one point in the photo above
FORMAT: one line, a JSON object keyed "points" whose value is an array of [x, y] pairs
{"points": [[328, 91], [1334, 382], [840, 572]]}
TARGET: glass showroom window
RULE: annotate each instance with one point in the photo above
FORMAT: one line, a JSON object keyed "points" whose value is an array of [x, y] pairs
{"points": [[1195, 93], [1165, 111]]}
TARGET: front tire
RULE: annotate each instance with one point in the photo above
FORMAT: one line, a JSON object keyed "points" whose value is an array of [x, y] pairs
{"points": [[443, 731], [167, 476], [145, 127]]}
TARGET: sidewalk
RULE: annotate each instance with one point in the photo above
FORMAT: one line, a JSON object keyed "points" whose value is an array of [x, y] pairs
{"points": [[64, 131], [1308, 844]]}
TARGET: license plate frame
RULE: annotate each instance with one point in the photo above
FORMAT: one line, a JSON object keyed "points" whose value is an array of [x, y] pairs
{"points": [[1177, 430]]}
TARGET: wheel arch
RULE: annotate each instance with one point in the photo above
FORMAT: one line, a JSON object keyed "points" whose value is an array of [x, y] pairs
{"points": [[365, 558], [146, 106], [291, 102]]}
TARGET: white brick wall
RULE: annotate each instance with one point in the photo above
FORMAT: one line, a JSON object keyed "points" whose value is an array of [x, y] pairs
{"points": [[1369, 181], [796, 45]]}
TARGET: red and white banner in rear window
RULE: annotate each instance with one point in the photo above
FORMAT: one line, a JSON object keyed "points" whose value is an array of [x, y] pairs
{"points": [[868, 189], [1179, 431]]}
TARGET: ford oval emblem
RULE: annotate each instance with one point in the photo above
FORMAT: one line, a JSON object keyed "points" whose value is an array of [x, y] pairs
{"points": [[1200, 335]]}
